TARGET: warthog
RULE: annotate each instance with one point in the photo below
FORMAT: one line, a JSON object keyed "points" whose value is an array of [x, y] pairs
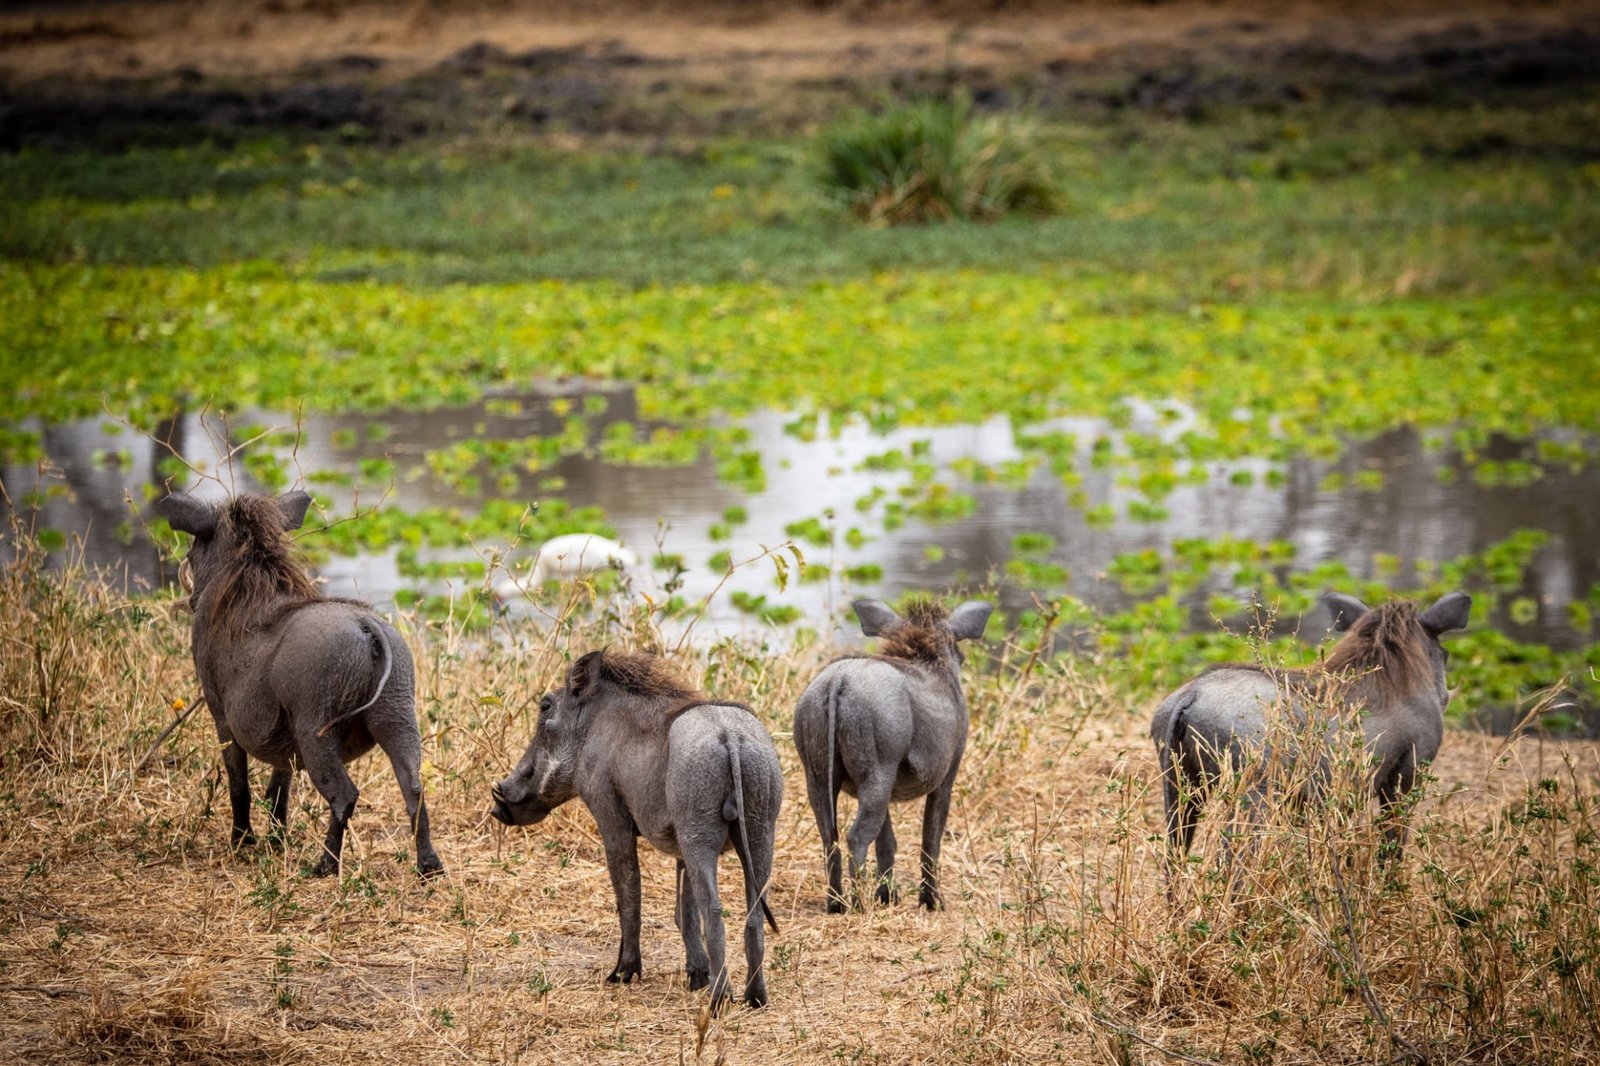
{"points": [[888, 727], [293, 677], [1389, 667], [651, 757]]}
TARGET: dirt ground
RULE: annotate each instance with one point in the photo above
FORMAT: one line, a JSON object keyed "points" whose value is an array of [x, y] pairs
{"points": [[109, 71]]}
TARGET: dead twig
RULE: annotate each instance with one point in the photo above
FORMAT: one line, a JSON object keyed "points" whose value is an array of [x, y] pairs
{"points": [[165, 733], [1133, 1034], [44, 990]]}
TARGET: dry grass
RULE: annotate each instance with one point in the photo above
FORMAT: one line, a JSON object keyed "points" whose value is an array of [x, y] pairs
{"points": [[129, 933]]}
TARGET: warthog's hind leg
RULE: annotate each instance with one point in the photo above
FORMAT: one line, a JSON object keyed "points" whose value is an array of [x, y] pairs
{"points": [[824, 805], [325, 765], [885, 851], [872, 811], [696, 965], [701, 867], [396, 733]]}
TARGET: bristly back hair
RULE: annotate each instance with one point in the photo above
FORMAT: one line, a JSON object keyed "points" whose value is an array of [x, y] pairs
{"points": [[260, 579], [662, 693], [1386, 647], [920, 635]]}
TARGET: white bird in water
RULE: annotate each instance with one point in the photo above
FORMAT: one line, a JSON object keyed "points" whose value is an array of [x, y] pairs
{"points": [[566, 557]]}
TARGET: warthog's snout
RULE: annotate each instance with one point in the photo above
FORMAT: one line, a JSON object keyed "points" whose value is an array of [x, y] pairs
{"points": [[513, 805]]}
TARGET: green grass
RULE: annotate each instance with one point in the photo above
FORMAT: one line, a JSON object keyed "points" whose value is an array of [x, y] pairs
{"points": [[1348, 201], [933, 160]]}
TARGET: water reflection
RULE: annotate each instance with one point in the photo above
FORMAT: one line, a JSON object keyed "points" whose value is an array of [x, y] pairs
{"points": [[95, 469]]}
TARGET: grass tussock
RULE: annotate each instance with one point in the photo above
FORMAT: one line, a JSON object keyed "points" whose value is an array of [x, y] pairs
{"points": [[132, 933], [933, 160], [176, 1021]]}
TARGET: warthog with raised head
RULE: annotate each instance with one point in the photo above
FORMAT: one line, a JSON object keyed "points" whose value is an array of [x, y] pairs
{"points": [[652, 757], [888, 727], [293, 677], [1389, 667]]}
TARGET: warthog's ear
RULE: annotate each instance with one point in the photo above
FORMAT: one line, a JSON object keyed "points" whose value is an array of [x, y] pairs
{"points": [[1346, 609], [968, 621], [875, 616], [1449, 612], [584, 675], [293, 505], [187, 514]]}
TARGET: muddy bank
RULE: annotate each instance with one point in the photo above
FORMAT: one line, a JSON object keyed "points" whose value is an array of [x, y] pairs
{"points": [[142, 83]]}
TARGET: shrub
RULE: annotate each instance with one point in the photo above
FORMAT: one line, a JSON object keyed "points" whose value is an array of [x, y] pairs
{"points": [[935, 159]]}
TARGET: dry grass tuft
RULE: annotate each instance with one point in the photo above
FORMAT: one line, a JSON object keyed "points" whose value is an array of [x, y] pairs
{"points": [[176, 1022], [129, 932]]}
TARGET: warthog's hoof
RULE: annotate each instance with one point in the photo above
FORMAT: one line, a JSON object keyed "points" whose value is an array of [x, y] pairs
{"points": [[325, 866], [429, 867], [836, 906], [242, 838], [698, 979], [624, 974], [929, 898], [755, 997]]}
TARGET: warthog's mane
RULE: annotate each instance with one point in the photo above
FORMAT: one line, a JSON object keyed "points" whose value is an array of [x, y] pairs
{"points": [[258, 581], [920, 635], [662, 695], [1386, 647], [1389, 643]]}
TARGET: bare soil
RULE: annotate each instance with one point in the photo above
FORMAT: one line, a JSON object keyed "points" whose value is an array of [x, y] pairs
{"points": [[112, 73]]}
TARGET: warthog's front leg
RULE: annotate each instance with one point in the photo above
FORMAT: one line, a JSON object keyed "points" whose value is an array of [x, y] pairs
{"points": [[934, 813], [622, 859], [278, 801], [1394, 782], [238, 767]]}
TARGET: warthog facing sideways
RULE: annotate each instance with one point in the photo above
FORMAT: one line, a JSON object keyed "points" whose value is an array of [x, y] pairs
{"points": [[1389, 667], [292, 677], [888, 727], [651, 757]]}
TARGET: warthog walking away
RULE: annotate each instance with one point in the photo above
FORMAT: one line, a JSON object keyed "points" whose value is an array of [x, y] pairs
{"points": [[1389, 667], [651, 757], [292, 677], [888, 727]]}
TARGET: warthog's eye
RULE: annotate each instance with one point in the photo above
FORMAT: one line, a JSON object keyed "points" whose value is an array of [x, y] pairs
{"points": [[545, 703]]}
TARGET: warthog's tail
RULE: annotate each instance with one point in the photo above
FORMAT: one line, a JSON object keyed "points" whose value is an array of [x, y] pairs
{"points": [[1182, 774], [733, 811], [380, 644], [831, 701]]}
